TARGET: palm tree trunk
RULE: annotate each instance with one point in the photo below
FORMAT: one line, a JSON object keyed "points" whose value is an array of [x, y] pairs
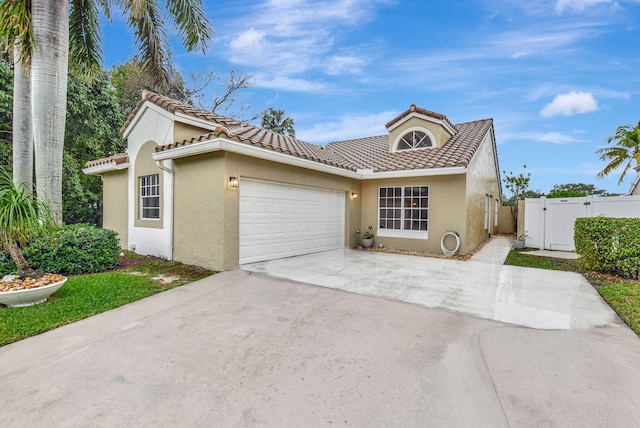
{"points": [[24, 270], [49, 66], [22, 130]]}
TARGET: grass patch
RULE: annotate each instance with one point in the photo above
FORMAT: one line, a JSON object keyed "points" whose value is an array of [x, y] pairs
{"points": [[624, 298], [622, 295], [521, 258], [86, 295]]}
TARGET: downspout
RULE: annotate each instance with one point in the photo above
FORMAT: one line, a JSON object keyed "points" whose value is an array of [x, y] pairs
{"points": [[171, 172]]}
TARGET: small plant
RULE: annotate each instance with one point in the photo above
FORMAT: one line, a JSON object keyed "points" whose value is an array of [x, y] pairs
{"points": [[523, 236], [368, 233], [21, 214]]}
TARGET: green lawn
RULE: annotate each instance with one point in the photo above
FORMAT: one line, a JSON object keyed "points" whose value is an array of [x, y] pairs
{"points": [[621, 294], [86, 295]]}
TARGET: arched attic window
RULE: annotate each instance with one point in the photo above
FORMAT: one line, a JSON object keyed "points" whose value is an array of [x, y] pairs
{"points": [[414, 139]]}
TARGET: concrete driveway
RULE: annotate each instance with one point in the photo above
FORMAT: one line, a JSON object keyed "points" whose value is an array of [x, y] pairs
{"points": [[239, 349], [482, 287]]}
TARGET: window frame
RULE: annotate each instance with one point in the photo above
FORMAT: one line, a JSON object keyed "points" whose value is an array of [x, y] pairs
{"points": [[428, 133], [143, 187], [402, 232]]}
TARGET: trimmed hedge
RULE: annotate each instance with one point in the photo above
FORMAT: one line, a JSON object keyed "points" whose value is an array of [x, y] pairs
{"points": [[74, 249], [609, 245]]}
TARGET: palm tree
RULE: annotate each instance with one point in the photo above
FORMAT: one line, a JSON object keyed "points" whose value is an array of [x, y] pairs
{"points": [[625, 150], [54, 24], [20, 214], [16, 35], [274, 120]]}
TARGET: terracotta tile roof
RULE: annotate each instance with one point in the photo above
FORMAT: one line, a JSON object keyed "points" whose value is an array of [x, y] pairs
{"points": [[362, 153], [422, 111], [115, 160], [373, 152], [174, 106]]}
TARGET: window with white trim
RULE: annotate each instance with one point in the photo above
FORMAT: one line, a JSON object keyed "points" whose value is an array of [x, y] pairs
{"points": [[495, 216], [487, 198], [403, 208], [150, 197], [414, 140]]}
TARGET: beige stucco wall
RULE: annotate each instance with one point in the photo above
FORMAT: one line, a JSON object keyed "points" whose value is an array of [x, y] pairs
{"points": [[206, 230], [441, 134], [505, 220], [199, 220], [145, 165], [482, 179], [115, 204], [183, 131], [446, 210], [521, 205]]}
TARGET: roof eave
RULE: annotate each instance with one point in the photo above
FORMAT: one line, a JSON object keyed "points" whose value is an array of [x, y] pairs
{"points": [[224, 144], [108, 167], [444, 123], [423, 172]]}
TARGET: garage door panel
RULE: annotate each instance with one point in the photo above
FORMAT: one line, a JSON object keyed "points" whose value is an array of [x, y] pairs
{"points": [[278, 220]]}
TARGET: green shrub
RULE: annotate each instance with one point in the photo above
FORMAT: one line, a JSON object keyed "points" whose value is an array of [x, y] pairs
{"points": [[75, 249], [609, 245]]}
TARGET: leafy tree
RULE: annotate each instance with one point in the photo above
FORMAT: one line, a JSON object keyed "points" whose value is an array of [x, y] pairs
{"points": [[6, 113], [516, 185], [276, 121], [129, 80], [531, 194], [20, 214], [579, 189], [59, 34], [624, 152], [95, 117], [92, 131], [565, 193]]}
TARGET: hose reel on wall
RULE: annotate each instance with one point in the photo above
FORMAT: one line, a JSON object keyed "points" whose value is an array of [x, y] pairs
{"points": [[444, 249]]}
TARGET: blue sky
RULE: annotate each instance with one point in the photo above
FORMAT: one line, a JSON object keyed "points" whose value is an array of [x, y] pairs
{"points": [[557, 76]]}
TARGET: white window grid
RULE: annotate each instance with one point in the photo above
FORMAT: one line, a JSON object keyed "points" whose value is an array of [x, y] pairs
{"points": [[495, 216], [403, 208], [414, 140], [150, 197]]}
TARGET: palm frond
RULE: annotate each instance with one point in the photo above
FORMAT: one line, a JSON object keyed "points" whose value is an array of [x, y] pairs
{"points": [[15, 27], [152, 40], [85, 52], [20, 212], [194, 28], [626, 149]]}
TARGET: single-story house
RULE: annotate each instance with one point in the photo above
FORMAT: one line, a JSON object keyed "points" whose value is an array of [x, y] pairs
{"points": [[204, 189]]}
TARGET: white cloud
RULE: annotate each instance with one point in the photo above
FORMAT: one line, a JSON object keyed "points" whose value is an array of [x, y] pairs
{"points": [[287, 83], [348, 126], [557, 138], [290, 37], [578, 5], [570, 104], [344, 64]]}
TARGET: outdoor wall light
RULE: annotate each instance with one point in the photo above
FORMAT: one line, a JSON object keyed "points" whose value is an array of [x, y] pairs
{"points": [[354, 195], [233, 182]]}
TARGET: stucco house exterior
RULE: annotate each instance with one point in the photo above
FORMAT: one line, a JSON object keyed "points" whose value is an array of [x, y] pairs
{"points": [[208, 190]]}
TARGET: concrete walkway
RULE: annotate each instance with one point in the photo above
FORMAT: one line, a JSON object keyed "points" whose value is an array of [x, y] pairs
{"points": [[244, 350], [480, 287]]}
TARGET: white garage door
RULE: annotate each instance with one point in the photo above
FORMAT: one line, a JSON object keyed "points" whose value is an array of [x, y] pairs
{"points": [[278, 220]]}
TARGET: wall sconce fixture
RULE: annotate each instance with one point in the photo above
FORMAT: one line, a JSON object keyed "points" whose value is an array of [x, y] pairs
{"points": [[354, 195], [233, 182]]}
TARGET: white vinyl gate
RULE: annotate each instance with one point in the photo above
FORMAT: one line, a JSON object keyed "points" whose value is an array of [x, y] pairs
{"points": [[549, 222], [279, 220]]}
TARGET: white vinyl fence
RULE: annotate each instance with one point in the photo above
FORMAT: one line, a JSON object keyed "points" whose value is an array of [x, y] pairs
{"points": [[549, 222]]}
